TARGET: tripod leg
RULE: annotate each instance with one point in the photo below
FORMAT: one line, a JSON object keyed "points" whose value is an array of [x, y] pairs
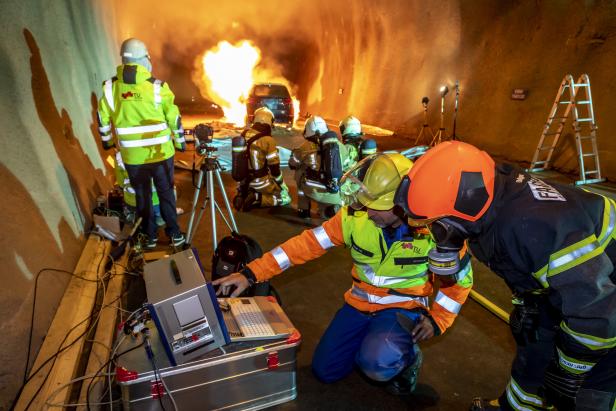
{"points": [[210, 190], [226, 200], [189, 231]]}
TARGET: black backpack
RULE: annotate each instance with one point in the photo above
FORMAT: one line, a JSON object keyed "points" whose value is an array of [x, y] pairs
{"points": [[232, 254], [330, 170]]}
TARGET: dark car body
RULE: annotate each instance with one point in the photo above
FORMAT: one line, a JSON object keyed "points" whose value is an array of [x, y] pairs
{"points": [[275, 97]]}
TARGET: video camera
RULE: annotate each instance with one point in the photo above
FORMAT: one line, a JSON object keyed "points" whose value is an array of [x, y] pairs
{"points": [[203, 134]]}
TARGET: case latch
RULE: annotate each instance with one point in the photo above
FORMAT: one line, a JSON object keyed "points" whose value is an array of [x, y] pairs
{"points": [[272, 360]]}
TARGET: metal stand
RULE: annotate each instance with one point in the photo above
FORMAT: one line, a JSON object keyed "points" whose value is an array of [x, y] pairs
{"points": [[210, 167], [455, 110], [424, 102], [438, 137]]}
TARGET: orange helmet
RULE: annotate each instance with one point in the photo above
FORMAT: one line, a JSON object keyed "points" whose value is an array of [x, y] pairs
{"points": [[451, 179]]}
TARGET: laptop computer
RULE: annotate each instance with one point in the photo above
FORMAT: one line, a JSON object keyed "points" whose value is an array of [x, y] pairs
{"points": [[254, 318]]}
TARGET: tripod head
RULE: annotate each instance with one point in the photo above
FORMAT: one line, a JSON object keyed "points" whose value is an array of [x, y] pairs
{"points": [[425, 102], [204, 134]]}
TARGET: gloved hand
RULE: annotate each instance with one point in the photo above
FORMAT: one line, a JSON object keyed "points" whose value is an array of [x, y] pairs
{"points": [[524, 323], [108, 145], [180, 147], [561, 386]]}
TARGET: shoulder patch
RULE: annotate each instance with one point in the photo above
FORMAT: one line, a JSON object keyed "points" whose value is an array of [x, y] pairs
{"points": [[543, 191]]}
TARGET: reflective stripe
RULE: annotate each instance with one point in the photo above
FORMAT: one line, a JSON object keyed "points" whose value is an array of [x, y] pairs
{"points": [[145, 142], [386, 299], [258, 184], [180, 140], [321, 235], [592, 342], [515, 404], [106, 137], [369, 151], [572, 365], [104, 129], [300, 192], [524, 396], [313, 183], [464, 272], [130, 189], [157, 97], [447, 303], [271, 155], [609, 221], [281, 258], [383, 280], [108, 92], [239, 149], [329, 140], [572, 256], [153, 128]]}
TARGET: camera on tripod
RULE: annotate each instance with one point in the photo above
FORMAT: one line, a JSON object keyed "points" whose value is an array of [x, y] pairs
{"points": [[204, 134]]}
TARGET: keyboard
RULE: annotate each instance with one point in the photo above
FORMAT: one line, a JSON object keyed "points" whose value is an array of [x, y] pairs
{"points": [[249, 318]]}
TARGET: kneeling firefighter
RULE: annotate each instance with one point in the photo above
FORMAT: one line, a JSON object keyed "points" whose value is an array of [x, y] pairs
{"points": [[256, 166], [357, 147], [554, 246], [318, 169], [391, 283]]}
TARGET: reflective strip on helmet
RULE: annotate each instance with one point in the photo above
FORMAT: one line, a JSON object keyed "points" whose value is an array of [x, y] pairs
{"points": [[386, 299], [239, 149], [256, 184], [272, 155], [105, 137], [572, 365], [108, 92], [157, 97], [152, 128], [322, 237], [522, 400], [144, 142], [383, 280], [447, 303], [281, 258], [589, 341], [104, 129]]}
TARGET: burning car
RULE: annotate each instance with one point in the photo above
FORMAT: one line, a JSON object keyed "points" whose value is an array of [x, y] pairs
{"points": [[275, 97]]}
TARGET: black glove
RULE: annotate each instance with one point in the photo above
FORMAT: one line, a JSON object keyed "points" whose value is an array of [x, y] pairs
{"points": [[108, 145], [561, 386], [524, 323]]}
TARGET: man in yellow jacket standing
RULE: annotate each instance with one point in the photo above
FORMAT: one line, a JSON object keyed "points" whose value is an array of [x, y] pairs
{"points": [[391, 283], [147, 126]]}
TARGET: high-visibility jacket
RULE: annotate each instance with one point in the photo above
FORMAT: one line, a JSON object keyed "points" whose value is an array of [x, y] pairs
{"points": [[557, 241], [123, 181], [383, 277], [263, 159], [141, 109]]}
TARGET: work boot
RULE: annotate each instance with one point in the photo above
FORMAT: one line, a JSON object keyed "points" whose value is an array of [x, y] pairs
{"points": [[305, 214], [252, 200], [150, 244], [479, 404], [238, 202], [405, 382], [178, 240]]}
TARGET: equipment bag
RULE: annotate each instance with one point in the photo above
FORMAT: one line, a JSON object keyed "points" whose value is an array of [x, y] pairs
{"points": [[239, 158], [232, 254]]}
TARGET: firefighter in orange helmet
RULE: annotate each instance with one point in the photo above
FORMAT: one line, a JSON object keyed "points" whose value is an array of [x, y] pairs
{"points": [[554, 246], [391, 280]]}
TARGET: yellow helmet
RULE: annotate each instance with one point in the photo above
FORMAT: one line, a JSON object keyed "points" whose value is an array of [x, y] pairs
{"points": [[373, 181], [263, 115]]}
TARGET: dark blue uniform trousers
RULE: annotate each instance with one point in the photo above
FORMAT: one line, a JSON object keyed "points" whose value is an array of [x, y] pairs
{"points": [[375, 342]]}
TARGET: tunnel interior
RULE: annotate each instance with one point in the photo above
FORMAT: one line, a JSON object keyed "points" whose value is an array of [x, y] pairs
{"points": [[375, 60]]}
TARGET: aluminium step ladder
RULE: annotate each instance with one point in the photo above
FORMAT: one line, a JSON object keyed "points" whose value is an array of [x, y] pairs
{"points": [[575, 99]]}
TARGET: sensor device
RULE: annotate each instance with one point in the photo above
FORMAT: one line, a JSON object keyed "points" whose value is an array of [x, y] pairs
{"points": [[182, 305]]}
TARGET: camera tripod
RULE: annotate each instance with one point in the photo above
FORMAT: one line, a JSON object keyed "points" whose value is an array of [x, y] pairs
{"points": [[438, 137], [210, 167], [424, 102]]}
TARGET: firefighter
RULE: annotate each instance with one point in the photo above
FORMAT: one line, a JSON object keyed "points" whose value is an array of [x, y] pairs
{"points": [[306, 160], [350, 130], [391, 281], [553, 245], [147, 126], [264, 186]]}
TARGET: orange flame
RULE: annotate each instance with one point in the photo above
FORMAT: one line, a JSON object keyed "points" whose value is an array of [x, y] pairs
{"points": [[229, 72]]}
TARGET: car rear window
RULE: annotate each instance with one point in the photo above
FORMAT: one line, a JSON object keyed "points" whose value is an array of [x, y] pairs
{"points": [[270, 90]]}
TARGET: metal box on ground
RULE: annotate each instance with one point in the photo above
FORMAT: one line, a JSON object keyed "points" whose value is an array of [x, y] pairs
{"points": [[245, 376]]}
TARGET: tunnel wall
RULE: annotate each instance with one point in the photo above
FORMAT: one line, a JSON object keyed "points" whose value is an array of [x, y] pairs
{"points": [[54, 56]]}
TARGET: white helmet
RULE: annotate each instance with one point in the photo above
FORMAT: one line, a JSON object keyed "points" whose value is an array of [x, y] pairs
{"points": [[134, 51], [350, 126], [315, 125], [263, 115]]}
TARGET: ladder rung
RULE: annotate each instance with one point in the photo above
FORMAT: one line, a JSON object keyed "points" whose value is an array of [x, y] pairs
{"points": [[539, 162], [544, 148], [588, 154], [583, 102], [581, 85], [556, 118], [591, 172], [564, 102], [551, 134], [579, 120], [585, 137]]}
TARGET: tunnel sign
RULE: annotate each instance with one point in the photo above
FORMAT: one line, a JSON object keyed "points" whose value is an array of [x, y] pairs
{"points": [[518, 94]]}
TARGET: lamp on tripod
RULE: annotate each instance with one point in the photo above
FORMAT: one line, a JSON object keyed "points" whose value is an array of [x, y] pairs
{"points": [[441, 131], [210, 167], [455, 110], [422, 131]]}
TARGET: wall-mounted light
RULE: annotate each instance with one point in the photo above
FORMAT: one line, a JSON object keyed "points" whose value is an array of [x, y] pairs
{"points": [[444, 90]]}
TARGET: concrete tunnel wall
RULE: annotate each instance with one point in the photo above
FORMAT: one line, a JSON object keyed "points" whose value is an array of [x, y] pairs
{"points": [[373, 59]]}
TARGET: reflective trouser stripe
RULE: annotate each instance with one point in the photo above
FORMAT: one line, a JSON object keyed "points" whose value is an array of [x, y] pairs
{"points": [[239, 149], [256, 184], [321, 235], [152, 128], [447, 303], [108, 92], [572, 365], [521, 400], [386, 299], [590, 341], [157, 97], [105, 137], [281, 258], [144, 142], [104, 129]]}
